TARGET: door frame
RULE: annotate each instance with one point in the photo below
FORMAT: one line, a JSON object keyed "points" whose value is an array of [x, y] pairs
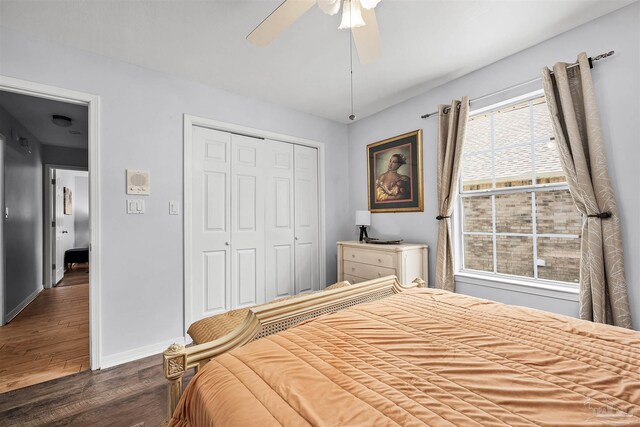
{"points": [[49, 198], [190, 121], [3, 140], [92, 102]]}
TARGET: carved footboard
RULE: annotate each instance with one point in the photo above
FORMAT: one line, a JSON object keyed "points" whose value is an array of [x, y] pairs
{"points": [[269, 319]]}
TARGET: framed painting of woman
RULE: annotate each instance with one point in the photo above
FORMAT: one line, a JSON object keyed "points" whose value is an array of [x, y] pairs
{"points": [[395, 174]]}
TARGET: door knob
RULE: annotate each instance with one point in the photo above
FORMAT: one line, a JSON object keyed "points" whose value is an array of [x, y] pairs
{"points": [[296, 238], [226, 243]]}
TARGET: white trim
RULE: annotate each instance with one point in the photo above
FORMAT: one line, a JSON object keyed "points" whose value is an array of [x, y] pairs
{"points": [[3, 141], [495, 279], [13, 313], [138, 353], [48, 236], [189, 122], [516, 99], [92, 102], [555, 186], [516, 284], [500, 233]]}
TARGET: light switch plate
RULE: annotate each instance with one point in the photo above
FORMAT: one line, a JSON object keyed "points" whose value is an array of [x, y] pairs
{"points": [[135, 206], [174, 208], [138, 182]]}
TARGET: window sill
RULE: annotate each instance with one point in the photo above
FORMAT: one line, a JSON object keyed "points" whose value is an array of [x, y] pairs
{"points": [[514, 284]]}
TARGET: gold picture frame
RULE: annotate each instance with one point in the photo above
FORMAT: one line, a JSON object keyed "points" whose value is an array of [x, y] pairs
{"points": [[394, 174]]}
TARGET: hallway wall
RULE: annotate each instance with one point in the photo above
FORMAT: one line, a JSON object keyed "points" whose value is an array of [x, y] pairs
{"points": [[23, 228]]}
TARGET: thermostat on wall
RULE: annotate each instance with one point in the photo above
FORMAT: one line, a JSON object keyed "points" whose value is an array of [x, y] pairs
{"points": [[138, 182]]}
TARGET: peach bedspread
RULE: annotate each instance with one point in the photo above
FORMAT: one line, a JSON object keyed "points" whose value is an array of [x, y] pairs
{"points": [[424, 357]]}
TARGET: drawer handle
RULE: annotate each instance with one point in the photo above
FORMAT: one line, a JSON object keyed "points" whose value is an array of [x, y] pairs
{"points": [[379, 260], [353, 255], [379, 274], [353, 269]]}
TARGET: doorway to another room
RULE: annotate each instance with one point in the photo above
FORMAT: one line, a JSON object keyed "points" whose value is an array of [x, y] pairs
{"points": [[67, 219], [46, 239]]}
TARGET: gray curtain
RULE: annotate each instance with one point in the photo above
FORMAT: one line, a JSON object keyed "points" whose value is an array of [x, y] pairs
{"points": [[571, 100], [453, 123]]}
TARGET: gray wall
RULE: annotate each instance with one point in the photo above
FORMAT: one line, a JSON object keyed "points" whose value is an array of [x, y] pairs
{"points": [[141, 127], [617, 92], [23, 229], [66, 156], [81, 212]]}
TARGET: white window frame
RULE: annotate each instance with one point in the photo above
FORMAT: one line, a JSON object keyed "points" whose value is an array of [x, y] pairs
{"points": [[535, 285]]}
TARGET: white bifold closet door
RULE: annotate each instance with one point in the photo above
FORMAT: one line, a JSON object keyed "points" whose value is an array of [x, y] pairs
{"points": [[279, 212], [307, 269], [210, 223], [247, 221], [254, 227]]}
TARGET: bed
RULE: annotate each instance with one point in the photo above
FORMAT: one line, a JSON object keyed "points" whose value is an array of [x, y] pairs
{"points": [[400, 356], [76, 256]]}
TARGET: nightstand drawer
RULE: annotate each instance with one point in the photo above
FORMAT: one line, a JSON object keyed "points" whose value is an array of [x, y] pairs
{"points": [[353, 279], [365, 256], [367, 271]]}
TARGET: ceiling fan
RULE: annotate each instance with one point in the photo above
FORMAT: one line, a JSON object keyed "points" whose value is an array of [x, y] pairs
{"points": [[357, 15]]}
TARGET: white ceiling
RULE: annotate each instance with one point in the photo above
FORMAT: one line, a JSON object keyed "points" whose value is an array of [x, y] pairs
{"points": [[35, 115], [424, 43]]}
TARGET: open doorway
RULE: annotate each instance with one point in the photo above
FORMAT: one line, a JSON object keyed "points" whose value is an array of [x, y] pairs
{"points": [[46, 219], [66, 220]]}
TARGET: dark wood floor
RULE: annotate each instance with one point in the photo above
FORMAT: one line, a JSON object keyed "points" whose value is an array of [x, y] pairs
{"points": [[78, 274], [133, 394], [47, 340]]}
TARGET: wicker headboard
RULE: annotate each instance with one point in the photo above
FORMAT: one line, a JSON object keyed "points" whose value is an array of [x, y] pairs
{"points": [[270, 319]]}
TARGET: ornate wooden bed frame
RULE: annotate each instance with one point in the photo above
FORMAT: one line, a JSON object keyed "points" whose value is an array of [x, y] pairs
{"points": [[269, 319]]}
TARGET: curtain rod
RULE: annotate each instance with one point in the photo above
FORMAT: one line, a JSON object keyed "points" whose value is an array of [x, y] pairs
{"points": [[575, 64]]}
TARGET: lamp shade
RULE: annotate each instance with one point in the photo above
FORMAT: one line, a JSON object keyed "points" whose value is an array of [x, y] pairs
{"points": [[363, 218]]}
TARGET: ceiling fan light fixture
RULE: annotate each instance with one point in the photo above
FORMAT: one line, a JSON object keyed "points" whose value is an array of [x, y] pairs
{"points": [[351, 15], [62, 121], [330, 7], [369, 4]]}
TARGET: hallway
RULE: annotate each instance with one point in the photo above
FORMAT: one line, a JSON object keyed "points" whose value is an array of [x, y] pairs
{"points": [[49, 339]]}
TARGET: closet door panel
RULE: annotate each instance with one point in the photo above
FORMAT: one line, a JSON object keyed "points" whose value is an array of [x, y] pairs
{"points": [[215, 212], [210, 226], [246, 265], [279, 217], [307, 269], [214, 275], [304, 267], [283, 270], [247, 221]]}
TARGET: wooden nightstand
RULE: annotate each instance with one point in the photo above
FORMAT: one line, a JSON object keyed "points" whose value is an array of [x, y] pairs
{"points": [[358, 262]]}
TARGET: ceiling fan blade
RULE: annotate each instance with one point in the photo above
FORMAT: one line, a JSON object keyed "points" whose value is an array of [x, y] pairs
{"points": [[367, 38], [279, 20]]}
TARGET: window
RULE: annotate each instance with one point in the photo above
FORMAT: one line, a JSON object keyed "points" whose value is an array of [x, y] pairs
{"points": [[517, 216]]}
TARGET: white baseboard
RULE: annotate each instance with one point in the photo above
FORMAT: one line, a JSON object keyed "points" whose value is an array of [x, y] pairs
{"points": [[13, 313], [137, 353]]}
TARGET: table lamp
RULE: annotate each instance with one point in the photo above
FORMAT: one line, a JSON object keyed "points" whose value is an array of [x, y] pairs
{"points": [[363, 220]]}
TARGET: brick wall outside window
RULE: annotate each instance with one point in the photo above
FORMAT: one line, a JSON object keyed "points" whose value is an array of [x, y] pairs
{"points": [[510, 170]]}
